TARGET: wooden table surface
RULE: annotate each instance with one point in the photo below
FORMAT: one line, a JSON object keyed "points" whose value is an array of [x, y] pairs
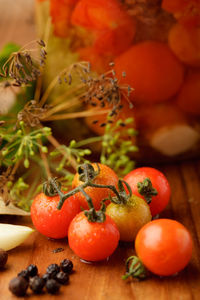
{"points": [[102, 281]]}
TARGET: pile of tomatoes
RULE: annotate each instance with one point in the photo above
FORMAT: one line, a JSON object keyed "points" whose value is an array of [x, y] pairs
{"points": [[164, 246]]}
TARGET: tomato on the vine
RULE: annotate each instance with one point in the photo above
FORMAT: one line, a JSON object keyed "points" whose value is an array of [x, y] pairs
{"points": [[159, 182], [93, 241], [129, 217], [50, 221], [106, 176], [164, 246]]}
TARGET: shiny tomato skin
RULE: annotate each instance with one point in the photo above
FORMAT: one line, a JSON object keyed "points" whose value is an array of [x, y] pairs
{"points": [[106, 177], [50, 221], [159, 182], [129, 217], [92, 241], [164, 246]]}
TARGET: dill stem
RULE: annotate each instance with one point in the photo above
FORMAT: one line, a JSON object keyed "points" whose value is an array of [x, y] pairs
{"points": [[67, 93], [81, 114], [16, 166], [45, 162], [56, 144], [60, 107], [89, 141], [38, 89]]}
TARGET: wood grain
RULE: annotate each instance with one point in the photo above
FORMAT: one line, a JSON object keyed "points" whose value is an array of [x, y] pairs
{"points": [[102, 281]]}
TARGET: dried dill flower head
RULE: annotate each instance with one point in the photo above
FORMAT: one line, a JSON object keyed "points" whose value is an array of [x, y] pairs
{"points": [[23, 67]]}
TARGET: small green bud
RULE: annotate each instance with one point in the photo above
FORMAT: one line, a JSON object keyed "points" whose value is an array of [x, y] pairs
{"points": [[26, 163], [21, 123], [9, 184], [44, 149], [129, 121], [72, 144], [19, 132], [87, 151], [5, 152], [38, 136], [46, 130], [32, 152]]}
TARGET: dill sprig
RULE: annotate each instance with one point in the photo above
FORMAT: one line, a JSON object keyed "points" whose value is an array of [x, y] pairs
{"points": [[117, 146], [27, 146]]}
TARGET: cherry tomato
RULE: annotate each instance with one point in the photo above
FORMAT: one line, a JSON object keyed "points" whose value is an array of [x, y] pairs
{"points": [[159, 182], [164, 246], [50, 221], [152, 70], [106, 177], [60, 12], [92, 241], [113, 27], [125, 113], [187, 12], [129, 217], [184, 41]]}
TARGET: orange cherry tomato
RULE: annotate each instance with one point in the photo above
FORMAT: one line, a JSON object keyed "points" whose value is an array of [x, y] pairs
{"points": [[125, 113], [50, 221], [106, 177], [164, 246], [60, 12], [92, 241], [159, 182], [189, 96], [184, 41], [113, 27], [152, 70]]}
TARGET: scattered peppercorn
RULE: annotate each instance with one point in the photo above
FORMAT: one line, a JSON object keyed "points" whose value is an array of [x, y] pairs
{"points": [[62, 278], [46, 276], [3, 258], [32, 270], [66, 266], [52, 270], [24, 274], [36, 284], [52, 286], [18, 286], [58, 250]]}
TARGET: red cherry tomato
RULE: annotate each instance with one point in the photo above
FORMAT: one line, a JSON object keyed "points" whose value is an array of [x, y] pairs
{"points": [[152, 70], [92, 241], [159, 182], [106, 177], [164, 246], [50, 221]]}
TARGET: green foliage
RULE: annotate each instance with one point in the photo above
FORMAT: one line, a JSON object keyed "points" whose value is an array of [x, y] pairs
{"points": [[22, 144], [68, 152], [116, 148]]}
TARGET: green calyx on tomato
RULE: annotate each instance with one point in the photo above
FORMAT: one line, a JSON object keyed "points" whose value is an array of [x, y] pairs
{"points": [[146, 189], [129, 214], [134, 268]]}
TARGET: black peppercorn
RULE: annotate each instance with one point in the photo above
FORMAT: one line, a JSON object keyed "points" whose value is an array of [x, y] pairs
{"points": [[36, 284], [24, 274], [3, 258], [46, 276], [62, 278], [32, 270], [66, 266], [52, 286], [18, 286], [52, 270]]}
